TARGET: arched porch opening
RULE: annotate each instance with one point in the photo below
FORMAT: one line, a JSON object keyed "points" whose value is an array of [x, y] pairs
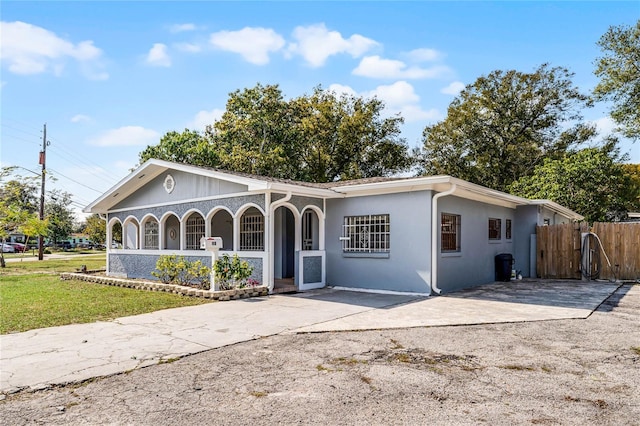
{"points": [[130, 233], [251, 230], [284, 245], [171, 232], [222, 226], [150, 233], [194, 231], [114, 234]]}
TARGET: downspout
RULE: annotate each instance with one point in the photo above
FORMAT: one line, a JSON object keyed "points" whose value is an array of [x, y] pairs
{"points": [[272, 208], [434, 237]]}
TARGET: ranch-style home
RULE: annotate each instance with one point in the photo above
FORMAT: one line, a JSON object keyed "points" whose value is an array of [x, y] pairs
{"points": [[422, 235]]}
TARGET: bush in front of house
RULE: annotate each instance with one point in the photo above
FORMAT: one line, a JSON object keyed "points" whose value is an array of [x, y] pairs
{"points": [[231, 272], [173, 269]]}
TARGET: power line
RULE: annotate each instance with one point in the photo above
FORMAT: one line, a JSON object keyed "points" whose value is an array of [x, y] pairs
{"points": [[75, 181]]}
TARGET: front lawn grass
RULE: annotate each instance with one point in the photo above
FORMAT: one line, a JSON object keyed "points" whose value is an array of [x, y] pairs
{"points": [[32, 295]]}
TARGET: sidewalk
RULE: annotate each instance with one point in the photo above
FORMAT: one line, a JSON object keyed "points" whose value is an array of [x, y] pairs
{"points": [[58, 355]]}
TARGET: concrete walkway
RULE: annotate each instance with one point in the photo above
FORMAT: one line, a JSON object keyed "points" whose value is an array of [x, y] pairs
{"points": [[57, 355]]}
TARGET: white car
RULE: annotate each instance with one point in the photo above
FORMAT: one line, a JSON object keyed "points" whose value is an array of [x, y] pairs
{"points": [[7, 248]]}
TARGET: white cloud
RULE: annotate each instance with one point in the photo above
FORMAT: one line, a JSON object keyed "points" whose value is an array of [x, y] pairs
{"points": [[81, 118], [127, 136], [377, 67], [253, 44], [424, 55], [399, 97], [179, 28], [158, 56], [397, 94], [316, 43], [412, 113], [605, 125], [29, 49], [340, 89], [188, 47], [204, 118], [453, 89]]}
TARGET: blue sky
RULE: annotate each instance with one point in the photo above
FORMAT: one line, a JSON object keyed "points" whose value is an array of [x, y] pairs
{"points": [[109, 78]]}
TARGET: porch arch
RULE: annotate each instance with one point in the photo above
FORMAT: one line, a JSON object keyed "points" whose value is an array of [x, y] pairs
{"points": [[193, 229], [170, 228], [130, 233], [150, 234], [313, 231], [220, 222], [249, 228], [114, 232]]}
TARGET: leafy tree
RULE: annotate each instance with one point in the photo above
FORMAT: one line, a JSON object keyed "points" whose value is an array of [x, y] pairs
{"points": [[59, 215], [505, 124], [319, 138], [187, 147], [18, 204], [345, 137], [633, 173], [257, 133], [96, 229], [590, 181], [619, 72]]}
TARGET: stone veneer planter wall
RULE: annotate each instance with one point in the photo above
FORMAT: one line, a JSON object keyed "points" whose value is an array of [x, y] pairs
{"points": [[239, 293]]}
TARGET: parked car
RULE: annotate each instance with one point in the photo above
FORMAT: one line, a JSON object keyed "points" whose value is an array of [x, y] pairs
{"points": [[19, 247], [8, 248]]}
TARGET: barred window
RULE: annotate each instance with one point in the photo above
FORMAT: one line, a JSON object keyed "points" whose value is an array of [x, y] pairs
{"points": [[495, 229], [194, 231], [151, 241], [366, 234], [450, 232], [252, 230], [507, 229]]}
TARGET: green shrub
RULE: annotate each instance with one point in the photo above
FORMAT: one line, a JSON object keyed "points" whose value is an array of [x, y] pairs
{"points": [[178, 270], [232, 272]]}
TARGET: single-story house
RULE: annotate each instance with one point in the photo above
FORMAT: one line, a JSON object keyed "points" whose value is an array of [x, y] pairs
{"points": [[417, 235]]}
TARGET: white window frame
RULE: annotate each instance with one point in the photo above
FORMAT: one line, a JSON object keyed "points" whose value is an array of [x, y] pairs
{"points": [[252, 232], [194, 230], [151, 235], [366, 234], [450, 225]]}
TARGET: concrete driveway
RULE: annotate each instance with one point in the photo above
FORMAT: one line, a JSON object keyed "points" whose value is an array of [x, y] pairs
{"points": [[57, 355]]}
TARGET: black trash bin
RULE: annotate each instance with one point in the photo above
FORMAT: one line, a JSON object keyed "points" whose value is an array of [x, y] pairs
{"points": [[504, 262]]}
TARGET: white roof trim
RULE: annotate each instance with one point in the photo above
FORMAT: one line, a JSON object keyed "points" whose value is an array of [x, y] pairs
{"points": [[557, 208], [153, 168]]}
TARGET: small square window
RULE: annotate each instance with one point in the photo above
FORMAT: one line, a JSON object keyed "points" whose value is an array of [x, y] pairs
{"points": [[450, 233], [495, 229]]}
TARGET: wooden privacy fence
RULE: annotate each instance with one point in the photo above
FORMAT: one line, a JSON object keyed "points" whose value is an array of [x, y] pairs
{"points": [[559, 250]]}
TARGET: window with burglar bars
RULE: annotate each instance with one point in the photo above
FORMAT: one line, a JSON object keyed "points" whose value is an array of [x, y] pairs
{"points": [[151, 235], [252, 232], [507, 229], [450, 233], [495, 229], [366, 234], [195, 231]]}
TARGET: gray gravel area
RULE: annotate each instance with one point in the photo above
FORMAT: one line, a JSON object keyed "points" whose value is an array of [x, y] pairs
{"points": [[584, 371]]}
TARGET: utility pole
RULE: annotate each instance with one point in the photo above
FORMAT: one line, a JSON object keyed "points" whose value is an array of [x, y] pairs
{"points": [[43, 161]]}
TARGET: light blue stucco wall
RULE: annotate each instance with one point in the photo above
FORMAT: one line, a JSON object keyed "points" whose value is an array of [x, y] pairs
{"points": [[475, 263], [407, 268], [527, 218], [187, 186]]}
